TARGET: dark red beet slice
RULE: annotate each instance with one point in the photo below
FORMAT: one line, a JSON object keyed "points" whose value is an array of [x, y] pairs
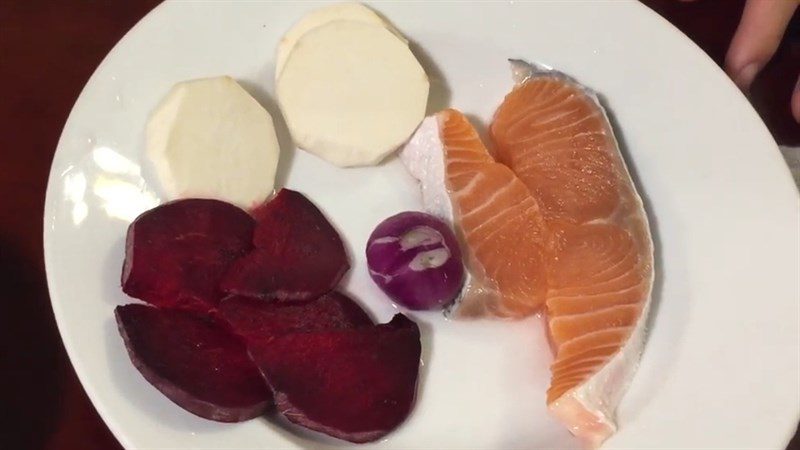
{"points": [[255, 318], [355, 385], [195, 361], [299, 255], [177, 253]]}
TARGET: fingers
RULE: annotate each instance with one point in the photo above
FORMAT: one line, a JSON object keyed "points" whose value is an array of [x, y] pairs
{"points": [[796, 101], [759, 33]]}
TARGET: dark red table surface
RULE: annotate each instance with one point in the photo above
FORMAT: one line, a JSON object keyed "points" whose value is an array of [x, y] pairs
{"points": [[47, 52]]}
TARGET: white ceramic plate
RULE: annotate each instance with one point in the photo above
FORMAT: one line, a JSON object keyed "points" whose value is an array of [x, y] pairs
{"points": [[721, 366]]}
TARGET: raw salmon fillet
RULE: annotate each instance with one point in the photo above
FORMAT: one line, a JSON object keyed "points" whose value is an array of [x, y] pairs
{"points": [[554, 134], [498, 220], [550, 219]]}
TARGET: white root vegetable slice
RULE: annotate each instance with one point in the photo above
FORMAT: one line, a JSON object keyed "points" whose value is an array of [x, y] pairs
{"points": [[338, 11], [209, 138], [351, 93]]}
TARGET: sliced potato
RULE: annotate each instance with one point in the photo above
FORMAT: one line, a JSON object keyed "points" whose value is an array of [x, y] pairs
{"points": [[352, 92], [338, 11], [209, 138]]}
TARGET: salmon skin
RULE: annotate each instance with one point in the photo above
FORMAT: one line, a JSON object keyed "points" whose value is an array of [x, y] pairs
{"points": [[550, 221]]}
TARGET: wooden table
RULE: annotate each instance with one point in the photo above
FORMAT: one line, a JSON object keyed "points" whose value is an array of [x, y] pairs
{"points": [[47, 52]]}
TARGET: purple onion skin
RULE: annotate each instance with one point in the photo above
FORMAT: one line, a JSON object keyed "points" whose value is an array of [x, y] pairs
{"points": [[415, 259]]}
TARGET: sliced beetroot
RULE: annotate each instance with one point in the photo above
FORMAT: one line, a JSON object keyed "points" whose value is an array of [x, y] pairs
{"points": [[177, 253], [264, 275], [356, 385], [298, 256], [290, 216], [193, 360], [255, 318]]}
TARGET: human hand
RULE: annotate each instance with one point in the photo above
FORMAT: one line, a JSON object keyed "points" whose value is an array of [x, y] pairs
{"points": [[758, 36]]}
